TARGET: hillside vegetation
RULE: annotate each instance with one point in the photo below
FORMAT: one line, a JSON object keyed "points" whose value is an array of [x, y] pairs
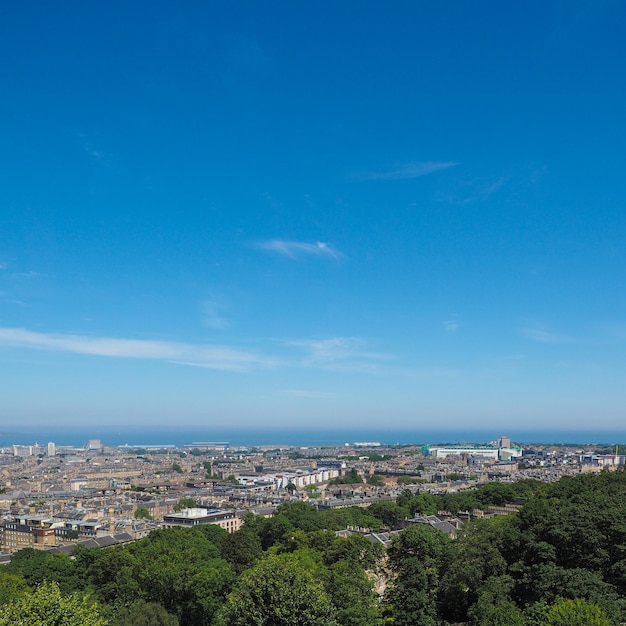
{"points": [[560, 561]]}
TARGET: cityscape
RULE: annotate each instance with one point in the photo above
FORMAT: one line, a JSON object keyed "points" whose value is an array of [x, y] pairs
{"points": [[313, 313], [56, 496]]}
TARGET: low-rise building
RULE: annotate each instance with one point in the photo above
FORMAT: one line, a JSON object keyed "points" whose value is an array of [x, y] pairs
{"points": [[16, 535], [489, 452], [228, 520]]}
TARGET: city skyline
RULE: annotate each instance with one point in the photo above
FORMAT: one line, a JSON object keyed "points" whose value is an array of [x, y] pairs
{"points": [[313, 216]]}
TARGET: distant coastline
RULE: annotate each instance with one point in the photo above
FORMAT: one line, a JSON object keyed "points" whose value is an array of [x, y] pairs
{"points": [[304, 438]]}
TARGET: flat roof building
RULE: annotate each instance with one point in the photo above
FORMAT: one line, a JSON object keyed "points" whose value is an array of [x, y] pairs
{"points": [[196, 516], [489, 452]]}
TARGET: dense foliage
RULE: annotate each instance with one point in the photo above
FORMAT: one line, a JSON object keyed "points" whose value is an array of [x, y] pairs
{"points": [[560, 561]]}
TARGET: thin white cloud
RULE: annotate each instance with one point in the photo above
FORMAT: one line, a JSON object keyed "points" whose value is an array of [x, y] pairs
{"points": [[414, 169], [4, 296], [451, 325], [89, 148], [494, 186], [474, 191], [544, 336], [295, 249], [271, 199], [213, 317], [3, 266], [337, 353], [347, 354], [209, 356]]}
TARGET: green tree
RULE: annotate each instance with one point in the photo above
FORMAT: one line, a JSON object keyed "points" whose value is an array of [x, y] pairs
{"points": [[242, 549], [184, 503], [356, 549], [409, 480], [389, 513], [278, 591], [494, 606], [416, 555], [460, 501], [176, 567], [301, 515], [312, 491], [470, 560], [45, 606], [11, 587], [271, 530], [504, 614], [351, 478], [567, 612], [339, 519], [144, 614], [350, 590], [35, 566], [495, 494], [404, 499], [142, 513], [213, 533], [424, 504]]}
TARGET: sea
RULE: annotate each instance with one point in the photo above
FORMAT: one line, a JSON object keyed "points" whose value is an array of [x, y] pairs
{"points": [[275, 437]]}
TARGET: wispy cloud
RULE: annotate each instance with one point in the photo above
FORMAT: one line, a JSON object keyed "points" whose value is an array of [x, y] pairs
{"points": [[209, 356], [468, 192], [451, 325], [296, 249], [4, 296], [213, 316], [337, 353], [413, 169], [347, 354], [3, 266], [271, 199], [541, 335], [89, 148]]}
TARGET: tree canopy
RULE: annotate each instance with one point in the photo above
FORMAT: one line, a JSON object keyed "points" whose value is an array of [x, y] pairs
{"points": [[46, 606], [560, 561]]}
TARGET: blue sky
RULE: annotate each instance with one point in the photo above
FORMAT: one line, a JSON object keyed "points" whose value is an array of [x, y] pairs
{"points": [[321, 214]]}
